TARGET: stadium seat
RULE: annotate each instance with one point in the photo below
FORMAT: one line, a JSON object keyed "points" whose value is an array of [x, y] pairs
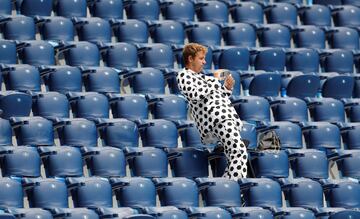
{"points": [[21, 77], [28, 213], [262, 84], [327, 2], [158, 133], [342, 193], [309, 36], [5, 132], [90, 192], [62, 78], [343, 83], [156, 55], [129, 106], [233, 58], [33, 130], [247, 12], [268, 59], [146, 80], [346, 15], [289, 109], [121, 212], [289, 133], [101, 79], [37, 52], [18, 27], [326, 109], [131, 31], [121, 55], [349, 136], [77, 132], [352, 109], [322, 135], [337, 213], [303, 59], [142, 9], [337, 60], [170, 107], [13, 103], [55, 28], [270, 164], [107, 9], [33, 8], [74, 213], [318, 15], [177, 191], [6, 7], [293, 212], [249, 133], [11, 193], [281, 13], [209, 212], [134, 192], [190, 136], [82, 53], [147, 161], [343, 38], [300, 85], [169, 32], [8, 51], [309, 163], [251, 212], [61, 161], [94, 29], [348, 163], [69, 9], [274, 35], [252, 108], [105, 161], [119, 133], [351, 2], [46, 193], [20, 162], [178, 10], [212, 11], [206, 33], [239, 34], [166, 212], [89, 105]]}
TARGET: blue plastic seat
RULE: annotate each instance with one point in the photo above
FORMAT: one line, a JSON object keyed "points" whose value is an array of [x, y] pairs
{"points": [[56, 28], [209, 212], [142, 9], [289, 133], [121, 55], [134, 192], [269, 164], [300, 85], [122, 212], [28, 213], [61, 161], [252, 108], [289, 109], [338, 213], [105, 161], [147, 161], [77, 132], [6, 7], [348, 164], [247, 12], [8, 53], [129, 106], [190, 136], [351, 2], [212, 11], [251, 212], [262, 83], [274, 35], [169, 106], [178, 10], [90, 192], [261, 192], [239, 34], [168, 32], [294, 212], [156, 55], [309, 36], [62, 78], [177, 191], [268, 59], [233, 58], [338, 86], [346, 15], [13, 103], [322, 135], [94, 29], [281, 13], [37, 53], [7, 216], [82, 53], [303, 59], [319, 15], [11, 193], [18, 27], [72, 8], [101, 80], [327, 2], [352, 109], [33, 130], [46, 193], [75, 213], [89, 105], [20, 162], [33, 8], [309, 163], [131, 31], [21, 77], [349, 136], [107, 9], [219, 192], [326, 109], [343, 38], [206, 33], [166, 212], [342, 193], [146, 80], [5, 132]]}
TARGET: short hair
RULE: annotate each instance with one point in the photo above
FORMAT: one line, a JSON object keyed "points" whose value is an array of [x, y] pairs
{"points": [[191, 49]]}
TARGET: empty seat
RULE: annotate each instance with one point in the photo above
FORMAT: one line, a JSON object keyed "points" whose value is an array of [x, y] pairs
{"points": [[349, 136], [210, 212], [319, 15], [166, 212], [303, 59], [189, 162], [62, 78], [212, 11], [18, 27], [101, 80], [21, 77], [274, 35], [5, 132], [134, 192], [142, 9], [46, 193], [8, 53], [206, 33], [294, 212], [56, 28], [309, 36], [89, 105], [239, 34], [158, 133], [169, 107], [268, 59], [11, 193], [337, 213], [261, 192], [95, 30], [28, 213], [322, 135], [247, 12], [289, 109], [82, 53], [342, 193], [105, 161], [346, 15], [233, 58], [77, 132], [73, 213], [147, 162], [299, 85], [13, 103], [269, 164], [337, 86], [343, 38], [289, 133], [252, 108], [131, 31], [72, 8], [351, 2], [146, 80], [35, 131], [107, 9], [262, 83], [220, 192], [33, 8], [37, 52], [121, 55], [6, 7], [348, 164], [178, 10], [251, 212], [129, 106], [121, 212], [90, 192], [62, 161], [156, 55], [168, 32], [352, 109], [281, 13], [20, 162], [326, 109], [177, 191]]}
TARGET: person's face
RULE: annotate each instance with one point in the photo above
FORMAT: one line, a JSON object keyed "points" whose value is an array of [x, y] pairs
{"points": [[197, 63]]}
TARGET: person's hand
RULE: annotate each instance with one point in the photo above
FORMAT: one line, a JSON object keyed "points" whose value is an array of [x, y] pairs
{"points": [[217, 74], [229, 82]]}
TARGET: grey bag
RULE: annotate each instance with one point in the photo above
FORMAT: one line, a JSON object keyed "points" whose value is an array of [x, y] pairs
{"points": [[269, 141]]}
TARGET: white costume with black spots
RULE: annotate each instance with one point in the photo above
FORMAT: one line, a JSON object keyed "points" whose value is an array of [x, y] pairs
{"points": [[215, 117]]}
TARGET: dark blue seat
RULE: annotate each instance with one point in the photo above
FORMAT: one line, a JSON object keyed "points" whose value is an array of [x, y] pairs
{"points": [[75, 213], [349, 136], [37, 52], [169, 32], [166, 212], [352, 109], [33, 130], [94, 29], [62, 161], [11, 193], [206, 33], [300, 85], [281, 13], [18, 27], [326, 109], [178, 10], [90, 192], [322, 135], [6, 7], [239, 34], [247, 12], [129, 106], [8, 53], [252, 108], [269, 164], [13, 103], [105, 161], [101, 80], [251, 212], [5, 132], [262, 84], [342, 193], [212, 11], [343, 38], [343, 213], [249, 133], [346, 15], [319, 15], [121, 55], [82, 53], [190, 136], [309, 36], [107, 9], [233, 58], [131, 31], [56, 28], [348, 163], [121, 212], [21, 77], [28, 213], [274, 35], [209, 212], [289, 133], [72, 8], [303, 59], [20, 162], [294, 212], [142, 9], [337, 60], [156, 55], [147, 161], [146, 80], [351, 2], [33, 8], [89, 105], [134, 192], [119, 133], [268, 59], [342, 83], [169, 106], [289, 109]]}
